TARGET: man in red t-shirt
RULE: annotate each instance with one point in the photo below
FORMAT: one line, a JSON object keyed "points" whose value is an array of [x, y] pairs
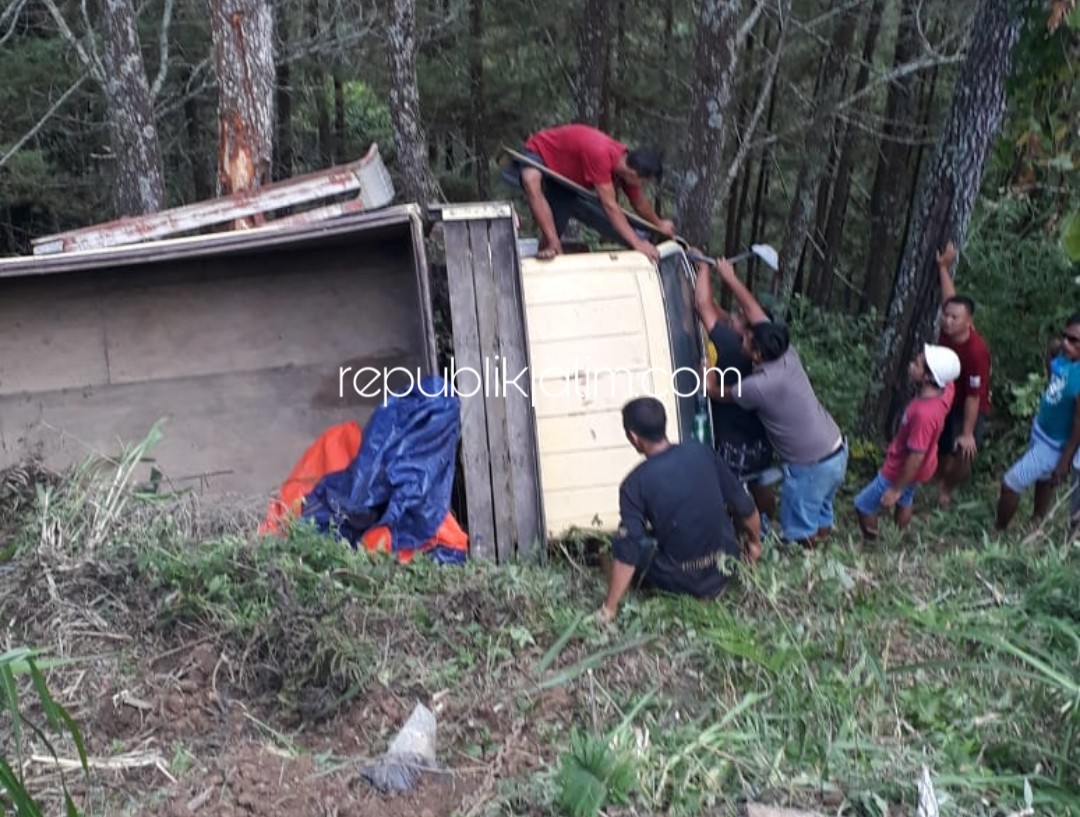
{"points": [[912, 455], [964, 427], [592, 159]]}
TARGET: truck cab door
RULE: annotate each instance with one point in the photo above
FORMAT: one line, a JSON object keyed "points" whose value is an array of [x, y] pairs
{"points": [[687, 339]]}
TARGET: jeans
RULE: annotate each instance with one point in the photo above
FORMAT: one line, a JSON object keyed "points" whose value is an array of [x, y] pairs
{"points": [[806, 499], [869, 499]]}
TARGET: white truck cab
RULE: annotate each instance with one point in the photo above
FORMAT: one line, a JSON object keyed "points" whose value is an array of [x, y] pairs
{"points": [[605, 327]]}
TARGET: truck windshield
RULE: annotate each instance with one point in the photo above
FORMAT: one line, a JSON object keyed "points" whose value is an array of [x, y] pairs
{"points": [[684, 336]]}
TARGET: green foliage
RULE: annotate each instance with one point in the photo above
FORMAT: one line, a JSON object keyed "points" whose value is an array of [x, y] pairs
{"points": [[591, 775], [1024, 288], [1070, 236], [22, 661]]}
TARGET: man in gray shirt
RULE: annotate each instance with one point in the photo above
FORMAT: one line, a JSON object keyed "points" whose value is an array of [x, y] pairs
{"points": [[805, 436]]}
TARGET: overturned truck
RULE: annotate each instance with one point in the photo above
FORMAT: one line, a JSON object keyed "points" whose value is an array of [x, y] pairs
{"points": [[251, 342]]}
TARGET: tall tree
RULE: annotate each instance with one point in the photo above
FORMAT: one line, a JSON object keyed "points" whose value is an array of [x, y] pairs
{"points": [[410, 142], [893, 152], [824, 264], [819, 140], [138, 174], [715, 58], [946, 197], [592, 61], [477, 103], [243, 36]]}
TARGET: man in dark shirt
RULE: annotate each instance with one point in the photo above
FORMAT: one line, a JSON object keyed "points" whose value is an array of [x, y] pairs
{"points": [[675, 525], [739, 435]]}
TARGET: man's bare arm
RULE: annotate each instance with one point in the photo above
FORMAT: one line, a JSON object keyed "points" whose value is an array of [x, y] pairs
{"points": [[707, 309], [750, 306], [622, 575], [944, 262], [1069, 451], [618, 220]]}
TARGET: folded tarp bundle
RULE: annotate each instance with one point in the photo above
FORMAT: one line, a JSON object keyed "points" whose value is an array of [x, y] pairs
{"points": [[387, 488]]}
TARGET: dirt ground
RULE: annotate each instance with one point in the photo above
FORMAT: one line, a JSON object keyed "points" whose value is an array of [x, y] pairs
{"points": [[171, 728]]}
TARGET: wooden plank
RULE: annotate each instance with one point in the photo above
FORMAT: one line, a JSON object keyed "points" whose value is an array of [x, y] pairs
{"points": [[474, 438], [520, 420], [367, 175], [489, 325]]}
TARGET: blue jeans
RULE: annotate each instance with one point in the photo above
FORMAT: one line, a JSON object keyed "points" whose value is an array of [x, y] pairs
{"points": [[869, 499], [806, 499]]}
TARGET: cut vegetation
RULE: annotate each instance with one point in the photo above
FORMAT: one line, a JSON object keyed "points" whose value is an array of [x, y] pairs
{"points": [[213, 673]]}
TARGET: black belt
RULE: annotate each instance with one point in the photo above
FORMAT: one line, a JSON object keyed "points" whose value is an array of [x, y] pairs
{"points": [[828, 457]]}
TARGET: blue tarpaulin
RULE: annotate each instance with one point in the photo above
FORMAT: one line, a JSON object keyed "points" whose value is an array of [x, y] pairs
{"points": [[403, 475]]}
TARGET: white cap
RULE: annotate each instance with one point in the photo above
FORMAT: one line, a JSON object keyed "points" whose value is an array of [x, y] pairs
{"points": [[943, 363]]}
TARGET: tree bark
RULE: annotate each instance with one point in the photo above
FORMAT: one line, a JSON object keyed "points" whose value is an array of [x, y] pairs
{"points": [[834, 228], [893, 153], [410, 141], [243, 35], [761, 192], [819, 140], [946, 197], [283, 145], [202, 173], [477, 142], [139, 178], [592, 61], [715, 58]]}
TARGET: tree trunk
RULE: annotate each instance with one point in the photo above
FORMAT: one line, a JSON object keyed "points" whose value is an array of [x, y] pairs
{"points": [[715, 58], [814, 250], [819, 140], [243, 34], [477, 142], [733, 233], [893, 154], [283, 145], [201, 172], [410, 143], [139, 178], [339, 118], [761, 192], [318, 80], [834, 228], [592, 61], [946, 197]]}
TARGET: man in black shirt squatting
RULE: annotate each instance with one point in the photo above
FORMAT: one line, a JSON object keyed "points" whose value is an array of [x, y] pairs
{"points": [[675, 525]]}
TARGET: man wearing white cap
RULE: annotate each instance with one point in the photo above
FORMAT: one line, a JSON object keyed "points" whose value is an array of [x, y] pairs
{"points": [[911, 457]]}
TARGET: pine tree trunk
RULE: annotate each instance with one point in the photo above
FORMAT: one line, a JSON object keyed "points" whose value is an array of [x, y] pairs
{"points": [[715, 59], [893, 153], [761, 192], [410, 142], [243, 35], [815, 159], [318, 80], [139, 178], [339, 118], [946, 198], [592, 61], [202, 180], [477, 142], [834, 228], [283, 145]]}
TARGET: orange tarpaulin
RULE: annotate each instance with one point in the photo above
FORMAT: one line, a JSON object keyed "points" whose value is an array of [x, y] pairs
{"points": [[334, 450]]}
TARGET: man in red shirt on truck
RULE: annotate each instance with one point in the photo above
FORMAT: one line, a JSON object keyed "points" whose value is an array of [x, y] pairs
{"points": [[963, 432], [592, 159]]}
